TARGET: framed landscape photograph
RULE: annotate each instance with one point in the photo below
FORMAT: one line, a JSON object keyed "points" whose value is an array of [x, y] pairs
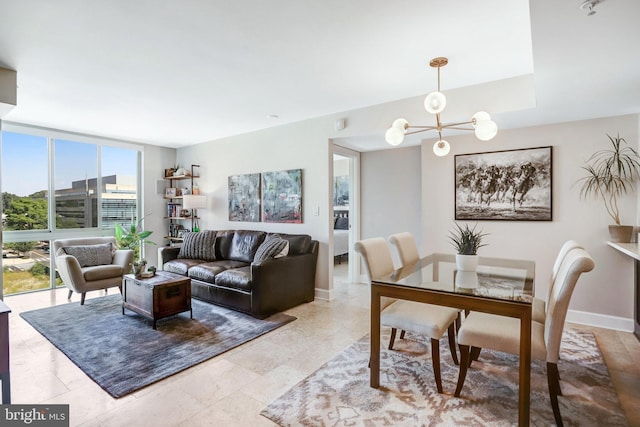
{"points": [[513, 185], [282, 196], [244, 197]]}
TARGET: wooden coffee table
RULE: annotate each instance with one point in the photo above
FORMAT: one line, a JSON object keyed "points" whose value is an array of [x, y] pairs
{"points": [[162, 295]]}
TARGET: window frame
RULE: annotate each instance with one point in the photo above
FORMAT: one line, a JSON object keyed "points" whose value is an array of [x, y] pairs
{"points": [[51, 233]]}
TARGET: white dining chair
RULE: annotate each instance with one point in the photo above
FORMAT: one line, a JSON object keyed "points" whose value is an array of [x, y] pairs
{"points": [[539, 308], [405, 246], [422, 319], [482, 330], [407, 251]]}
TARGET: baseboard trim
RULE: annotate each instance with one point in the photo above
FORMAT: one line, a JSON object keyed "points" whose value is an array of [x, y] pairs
{"points": [[600, 320], [324, 294]]}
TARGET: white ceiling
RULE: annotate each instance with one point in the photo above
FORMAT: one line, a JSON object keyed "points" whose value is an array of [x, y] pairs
{"points": [[179, 73]]}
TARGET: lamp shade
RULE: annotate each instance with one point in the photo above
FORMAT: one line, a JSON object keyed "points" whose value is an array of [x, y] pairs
{"points": [[194, 201]]}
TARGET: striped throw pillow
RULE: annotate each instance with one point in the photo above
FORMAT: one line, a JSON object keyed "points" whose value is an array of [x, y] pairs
{"points": [[274, 246]]}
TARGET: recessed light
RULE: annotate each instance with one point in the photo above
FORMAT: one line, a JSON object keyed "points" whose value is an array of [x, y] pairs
{"points": [[273, 116]]}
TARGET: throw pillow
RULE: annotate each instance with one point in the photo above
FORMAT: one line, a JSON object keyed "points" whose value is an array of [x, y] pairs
{"points": [[90, 255], [274, 246], [342, 223], [199, 245]]}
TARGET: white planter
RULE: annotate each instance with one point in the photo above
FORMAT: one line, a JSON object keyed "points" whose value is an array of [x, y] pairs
{"points": [[467, 262], [466, 279]]}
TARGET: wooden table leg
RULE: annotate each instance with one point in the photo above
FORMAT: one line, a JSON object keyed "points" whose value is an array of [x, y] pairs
{"points": [[374, 361], [524, 389]]}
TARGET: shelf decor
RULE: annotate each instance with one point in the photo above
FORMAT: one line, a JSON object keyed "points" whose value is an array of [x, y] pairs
{"points": [[181, 182]]}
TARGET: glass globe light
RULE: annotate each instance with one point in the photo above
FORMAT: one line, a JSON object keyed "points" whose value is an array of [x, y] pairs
{"points": [[486, 129], [401, 124], [480, 116], [394, 136], [441, 148], [435, 102]]}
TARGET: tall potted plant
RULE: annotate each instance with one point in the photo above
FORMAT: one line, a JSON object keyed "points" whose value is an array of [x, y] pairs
{"points": [[466, 241], [133, 238], [611, 174]]}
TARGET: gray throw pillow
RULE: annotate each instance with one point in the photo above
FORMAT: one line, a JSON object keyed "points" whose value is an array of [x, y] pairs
{"points": [[90, 255], [274, 246], [199, 245], [342, 223]]}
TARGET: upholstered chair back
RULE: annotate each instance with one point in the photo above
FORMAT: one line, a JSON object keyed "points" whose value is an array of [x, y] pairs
{"points": [[576, 262], [377, 260], [406, 247]]}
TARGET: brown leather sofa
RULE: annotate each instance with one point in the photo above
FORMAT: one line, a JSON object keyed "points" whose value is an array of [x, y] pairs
{"points": [[224, 271]]}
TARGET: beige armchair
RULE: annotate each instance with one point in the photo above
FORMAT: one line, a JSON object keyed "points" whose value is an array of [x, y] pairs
{"points": [[91, 263]]}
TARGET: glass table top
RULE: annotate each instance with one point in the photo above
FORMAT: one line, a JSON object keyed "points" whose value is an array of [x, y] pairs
{"points": [[495, 278]]}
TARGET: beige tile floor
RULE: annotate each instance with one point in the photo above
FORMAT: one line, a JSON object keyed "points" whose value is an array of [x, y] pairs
{"points": [[232, 389]]}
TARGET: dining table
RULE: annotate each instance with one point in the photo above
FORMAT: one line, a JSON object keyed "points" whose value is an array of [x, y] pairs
{"points": [[500, 286]]}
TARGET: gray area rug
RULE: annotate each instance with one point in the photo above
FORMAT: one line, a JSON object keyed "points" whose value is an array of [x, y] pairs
{"points": [[338, 394], [122, 353]]}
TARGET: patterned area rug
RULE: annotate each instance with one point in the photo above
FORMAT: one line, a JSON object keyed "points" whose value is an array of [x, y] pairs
{"points": [[122, 353], [338, 394]]}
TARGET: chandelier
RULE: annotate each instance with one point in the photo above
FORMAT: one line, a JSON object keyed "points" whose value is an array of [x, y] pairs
{"points": [[481, 123]]}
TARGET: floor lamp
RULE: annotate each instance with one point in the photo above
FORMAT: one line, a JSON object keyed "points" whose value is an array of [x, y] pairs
{"points": [[194, 202]]}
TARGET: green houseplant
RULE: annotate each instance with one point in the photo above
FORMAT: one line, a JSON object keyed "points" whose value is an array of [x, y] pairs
{"points": [[611, 174], [133, 238], [466, 241]]}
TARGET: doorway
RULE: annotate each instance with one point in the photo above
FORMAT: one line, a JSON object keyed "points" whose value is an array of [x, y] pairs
{"points": [[346, 202]]}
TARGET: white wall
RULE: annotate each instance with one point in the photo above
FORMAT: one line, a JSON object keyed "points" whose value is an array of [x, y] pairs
{"points": [[606, 293], [303, 145], [154, 207], [391, 193]]}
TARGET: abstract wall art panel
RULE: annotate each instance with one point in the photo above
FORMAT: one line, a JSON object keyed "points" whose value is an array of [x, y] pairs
{"points": [[282, 196]]}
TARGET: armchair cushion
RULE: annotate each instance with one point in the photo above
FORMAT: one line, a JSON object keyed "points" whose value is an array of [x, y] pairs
{"points": [[101, 272], [90, 255]]}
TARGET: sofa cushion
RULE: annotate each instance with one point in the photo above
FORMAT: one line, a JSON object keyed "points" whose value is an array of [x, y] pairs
{"points": [[180, 266], [298, 243], [237, 278], [207, 271], [200, 245], [244, 245], [224, 238], [273, 247], [89, 255]]}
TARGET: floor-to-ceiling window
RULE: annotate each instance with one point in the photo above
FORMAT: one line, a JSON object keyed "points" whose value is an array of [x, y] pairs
{"points": [[56, 185]]}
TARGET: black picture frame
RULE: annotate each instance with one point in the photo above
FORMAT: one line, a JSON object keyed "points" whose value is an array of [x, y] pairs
{"points": [[508, 185]]}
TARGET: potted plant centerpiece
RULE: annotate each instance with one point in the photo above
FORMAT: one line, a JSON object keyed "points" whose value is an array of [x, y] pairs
{"points": [[467, 241], [611, 174], [133, 238]]}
